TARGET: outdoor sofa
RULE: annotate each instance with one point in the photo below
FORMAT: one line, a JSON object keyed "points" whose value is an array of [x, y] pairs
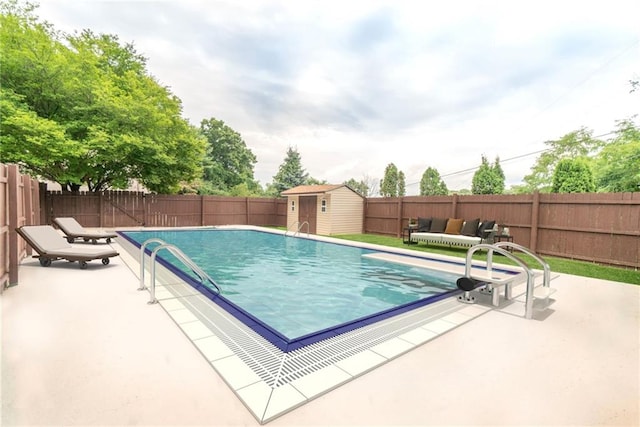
{"points": [[453, 231], [51, 246]]}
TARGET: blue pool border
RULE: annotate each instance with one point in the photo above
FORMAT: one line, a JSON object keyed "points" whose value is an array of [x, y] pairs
{"points": [[284, 343]]}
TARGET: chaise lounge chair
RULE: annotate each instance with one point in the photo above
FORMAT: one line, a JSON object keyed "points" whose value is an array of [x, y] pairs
{"points": [[73, 230], [51, 246]]}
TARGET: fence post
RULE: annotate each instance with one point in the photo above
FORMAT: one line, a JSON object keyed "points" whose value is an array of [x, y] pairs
{"points": [[535, 213], [202, 210], [12, 188], [399, 227], [246, 207], [454, 206], [101, 209]]}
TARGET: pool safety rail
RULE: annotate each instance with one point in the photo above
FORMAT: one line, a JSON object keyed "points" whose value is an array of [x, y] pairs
{"points": [[488, 283], [204, 277], [299, 225]]}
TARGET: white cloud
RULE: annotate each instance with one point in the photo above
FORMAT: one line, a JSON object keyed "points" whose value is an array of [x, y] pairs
{"points": [[355, 85]]}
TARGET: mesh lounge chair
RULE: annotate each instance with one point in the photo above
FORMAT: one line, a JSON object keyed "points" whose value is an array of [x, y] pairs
{"points": [[50, 246], [73, 230]]}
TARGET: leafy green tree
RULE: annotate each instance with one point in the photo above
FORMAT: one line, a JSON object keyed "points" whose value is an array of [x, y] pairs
{"points": [[488, 179], [118, 122], [617, 165], [359, 187], [402, 184], [389, 185], [431, 184], [290, 173], [228, 162], [500, 178], [573, 176], [314, 181], [575, 144]]}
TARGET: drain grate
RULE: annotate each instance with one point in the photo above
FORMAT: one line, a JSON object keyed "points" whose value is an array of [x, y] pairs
{"points": [[276, 367]]}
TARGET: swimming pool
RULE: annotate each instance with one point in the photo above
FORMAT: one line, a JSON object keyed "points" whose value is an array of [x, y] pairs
{"points": [[297, 291]]}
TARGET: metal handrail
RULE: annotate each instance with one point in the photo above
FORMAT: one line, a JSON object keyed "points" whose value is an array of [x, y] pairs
{"points": [[495, 248], [546, 278], [141, 259], [300, 225], [178, 254]]}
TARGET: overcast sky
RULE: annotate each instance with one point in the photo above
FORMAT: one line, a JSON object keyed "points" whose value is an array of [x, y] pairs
{"points": [[355, 85]]}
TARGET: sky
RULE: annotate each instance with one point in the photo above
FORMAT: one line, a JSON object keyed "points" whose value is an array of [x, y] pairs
{"points": [[355, 85]]}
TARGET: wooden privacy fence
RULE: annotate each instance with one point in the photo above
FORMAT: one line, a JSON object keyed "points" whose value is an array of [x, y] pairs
{"points": [[127, 209], [19, 205], [597, 227]]}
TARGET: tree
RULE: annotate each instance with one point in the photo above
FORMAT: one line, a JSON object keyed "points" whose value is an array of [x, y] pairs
{"points": [[117, 122], [432, 184], [617, 166], [573, 176], [359, 187], [488, 179], [390, 184], [402, 185], [575, 144], [228, 162], [290, 173], [500, 178]]}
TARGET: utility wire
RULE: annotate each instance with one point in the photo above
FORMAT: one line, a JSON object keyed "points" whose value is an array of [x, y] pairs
{"points": [[473, 169]]}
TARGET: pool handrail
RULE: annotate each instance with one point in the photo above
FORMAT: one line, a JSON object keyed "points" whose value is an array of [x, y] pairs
{"points": [[300, 225], [546, 280], [502, 251], [178, 254]]}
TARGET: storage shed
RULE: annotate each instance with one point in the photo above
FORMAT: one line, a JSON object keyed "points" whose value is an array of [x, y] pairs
{"points": [[329, 209]]}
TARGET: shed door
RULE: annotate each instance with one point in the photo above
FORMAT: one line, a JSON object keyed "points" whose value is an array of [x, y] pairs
{"points": [[307, 212]]}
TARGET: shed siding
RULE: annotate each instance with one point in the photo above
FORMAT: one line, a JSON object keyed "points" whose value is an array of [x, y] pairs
{"points": [[292, 216], [324, 218], [346, 210]]}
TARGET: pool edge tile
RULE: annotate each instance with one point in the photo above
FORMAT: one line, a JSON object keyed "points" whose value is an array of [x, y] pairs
{"points": [[322, 381]]}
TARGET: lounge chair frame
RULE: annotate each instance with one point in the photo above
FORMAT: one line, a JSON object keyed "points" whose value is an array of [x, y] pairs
{"points": [[44, 240], [73, 230]]}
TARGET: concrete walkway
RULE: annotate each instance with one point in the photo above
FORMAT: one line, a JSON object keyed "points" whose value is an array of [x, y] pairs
{"points": [[82, 347]]}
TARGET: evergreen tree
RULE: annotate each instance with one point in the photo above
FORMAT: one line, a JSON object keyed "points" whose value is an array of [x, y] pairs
{"points": [[573, 176], [500, 178], [432, 184], [389, 184], [290, 174], [402, 185], [488, 179]]}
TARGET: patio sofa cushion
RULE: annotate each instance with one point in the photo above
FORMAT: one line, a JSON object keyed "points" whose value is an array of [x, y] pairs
{"points": [[424, 224], [438, 225], [470, 228], [454, 225], [485, 227]]}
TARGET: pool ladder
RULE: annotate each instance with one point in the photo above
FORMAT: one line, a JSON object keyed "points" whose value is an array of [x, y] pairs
{"points": [[204, 277], [506, 249], [300, 225]]}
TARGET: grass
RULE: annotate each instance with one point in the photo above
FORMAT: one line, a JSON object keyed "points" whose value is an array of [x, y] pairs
{"points": [[559, 265]]}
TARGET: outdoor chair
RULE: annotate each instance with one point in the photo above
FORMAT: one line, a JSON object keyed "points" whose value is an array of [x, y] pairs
{"points": [[73, 230], [51, 246]]}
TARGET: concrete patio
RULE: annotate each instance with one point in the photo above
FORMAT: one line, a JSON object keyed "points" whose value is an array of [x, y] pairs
{"points": [[82, 347]]}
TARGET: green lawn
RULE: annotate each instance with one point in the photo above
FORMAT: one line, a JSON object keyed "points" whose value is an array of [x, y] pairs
{"points": [[559, 265]]}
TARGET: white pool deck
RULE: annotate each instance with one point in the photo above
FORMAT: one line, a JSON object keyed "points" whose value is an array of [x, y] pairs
{"points": [[82, 347]]}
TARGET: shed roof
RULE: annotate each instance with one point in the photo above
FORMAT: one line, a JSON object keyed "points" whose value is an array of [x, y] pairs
{"points": [[312, 189]]}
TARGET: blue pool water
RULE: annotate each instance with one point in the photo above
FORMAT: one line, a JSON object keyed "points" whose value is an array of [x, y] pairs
{"points": [[296, 289]]}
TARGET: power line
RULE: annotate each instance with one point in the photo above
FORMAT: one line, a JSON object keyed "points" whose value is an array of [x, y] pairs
{"points": [[464, 171]]}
